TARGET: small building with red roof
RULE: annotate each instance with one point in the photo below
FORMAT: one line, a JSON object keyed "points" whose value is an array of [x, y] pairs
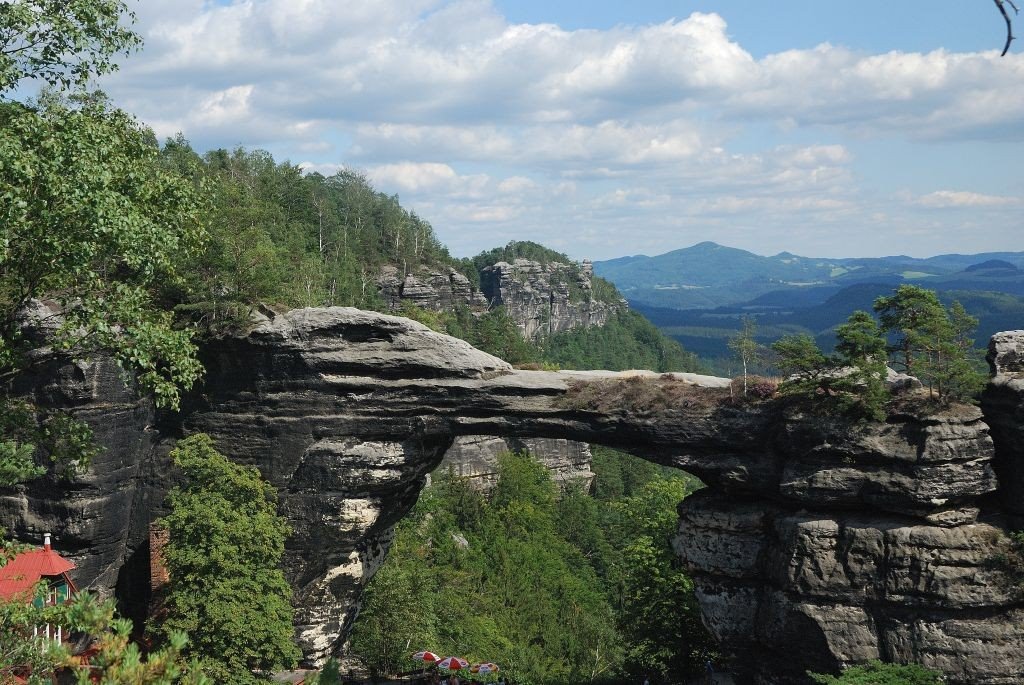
{"points": [[21, 574]]}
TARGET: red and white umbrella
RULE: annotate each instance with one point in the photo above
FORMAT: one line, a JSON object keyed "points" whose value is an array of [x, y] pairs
{"points": [[453, 663], [426, 657], [484, 669]]}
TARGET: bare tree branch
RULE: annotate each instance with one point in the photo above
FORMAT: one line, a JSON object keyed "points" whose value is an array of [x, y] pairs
{"points": [[1001, 4]]}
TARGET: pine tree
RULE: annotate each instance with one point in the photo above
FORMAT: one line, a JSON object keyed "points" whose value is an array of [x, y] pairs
{"points": [[861, 349], [931, 342]]}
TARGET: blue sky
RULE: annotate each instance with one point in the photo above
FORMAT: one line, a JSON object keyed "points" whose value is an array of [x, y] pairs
{"points": [[611, 128]]}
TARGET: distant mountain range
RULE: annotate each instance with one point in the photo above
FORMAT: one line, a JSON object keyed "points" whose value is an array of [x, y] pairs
{"points": [[710, 275], [698, 294]]}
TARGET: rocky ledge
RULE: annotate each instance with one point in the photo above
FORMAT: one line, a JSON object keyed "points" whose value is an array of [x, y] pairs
{"points": [[851, 541], [544, 299]]}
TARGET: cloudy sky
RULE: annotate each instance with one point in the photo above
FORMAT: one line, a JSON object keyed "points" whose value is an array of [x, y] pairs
{"points": [[605, 128]]}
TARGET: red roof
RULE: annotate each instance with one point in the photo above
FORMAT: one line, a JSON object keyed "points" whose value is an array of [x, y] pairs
{"points": [[28, 568]]}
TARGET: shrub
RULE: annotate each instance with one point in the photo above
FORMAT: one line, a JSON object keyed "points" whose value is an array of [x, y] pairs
{"points": [[758, 388], [878, 673], [638, 394]]}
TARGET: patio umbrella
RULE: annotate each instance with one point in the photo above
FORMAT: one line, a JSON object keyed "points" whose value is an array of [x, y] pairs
{"points": [[484, 669], [453, 663], [426, 657]]}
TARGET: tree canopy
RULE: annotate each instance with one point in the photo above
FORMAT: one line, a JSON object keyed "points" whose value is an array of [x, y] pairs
{"points": [[931, 342], [556, 587], [89, 219], [115, 660], [62, 42], [878, 673], [226, 588]]}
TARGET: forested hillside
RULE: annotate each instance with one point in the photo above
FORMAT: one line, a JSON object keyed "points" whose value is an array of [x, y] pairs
{"points": [[280, 237], [557, 588], [283, 237], [700, 295]]}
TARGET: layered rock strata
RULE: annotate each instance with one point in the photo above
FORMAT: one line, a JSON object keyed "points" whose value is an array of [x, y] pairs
{"points": [[476, 457], [544, 299], [532, 294], [816, 544], [1003, 403], [439, 290]]}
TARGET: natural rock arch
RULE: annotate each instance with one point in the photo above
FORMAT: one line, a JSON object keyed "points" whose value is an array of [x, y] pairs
{"points": [[850, 543]]}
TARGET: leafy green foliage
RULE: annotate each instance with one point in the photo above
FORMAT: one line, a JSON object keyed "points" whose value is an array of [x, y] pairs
{"points": [[496, 333], [61, 42], [916, 316], [29, 434], [878, 673], [522, 249], [746, 348], [330, 674], [90, 219], [556, 588], [116, 660], [94, 221], [280, 236], [226, 589], [852, 382], [932, 343], [861, 350], [626, 341], [489, 581]]}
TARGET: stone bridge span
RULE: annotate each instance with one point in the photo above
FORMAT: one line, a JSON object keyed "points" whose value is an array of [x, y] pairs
{"points": [[816, 544]]}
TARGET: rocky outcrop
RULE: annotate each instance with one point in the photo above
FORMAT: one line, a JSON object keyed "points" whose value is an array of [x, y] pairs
{"points": [[817, 543], [439, 290], [544, 299], [1003, 403], [530, 293], [98, 520], [476, 457]]}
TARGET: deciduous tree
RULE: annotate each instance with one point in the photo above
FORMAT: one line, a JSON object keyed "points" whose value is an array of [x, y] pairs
{"points": [[223, 557], [88, 218], [745, 347], [62, 42]]}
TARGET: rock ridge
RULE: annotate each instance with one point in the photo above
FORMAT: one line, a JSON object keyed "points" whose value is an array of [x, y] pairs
{"points": [[544, 299], [854, 542]]}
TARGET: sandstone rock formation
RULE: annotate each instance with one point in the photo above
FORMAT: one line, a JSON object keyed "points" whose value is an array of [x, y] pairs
{"points": [[438, 290], [1003, 403], [817, 543], [476, 457], [544, 299], [531, 294]]}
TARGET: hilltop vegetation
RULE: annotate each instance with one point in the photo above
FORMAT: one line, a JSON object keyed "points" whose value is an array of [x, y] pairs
{"points": [[283, 237]]}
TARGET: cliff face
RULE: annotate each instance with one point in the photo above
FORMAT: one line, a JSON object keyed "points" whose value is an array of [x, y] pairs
{"points": [[1003, 403], [99, 519], [871, 548], [540, 299], [815, 544], [439, 290], [476, 457], [544, 299]]}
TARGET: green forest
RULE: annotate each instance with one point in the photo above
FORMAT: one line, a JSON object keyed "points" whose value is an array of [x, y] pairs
{"points": [[557, 587], [145, 248]]}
